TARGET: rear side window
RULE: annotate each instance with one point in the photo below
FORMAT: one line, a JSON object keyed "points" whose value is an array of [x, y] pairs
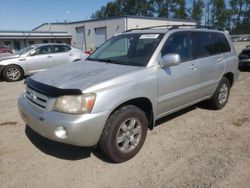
{"points": [[204, 45], [179, 43], [210, 43], [61, 48], [221, 42]]}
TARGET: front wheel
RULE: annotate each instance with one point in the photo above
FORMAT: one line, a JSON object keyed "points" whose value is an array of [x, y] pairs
{"points": [[12, 73], [124, 133], [220, 97]]}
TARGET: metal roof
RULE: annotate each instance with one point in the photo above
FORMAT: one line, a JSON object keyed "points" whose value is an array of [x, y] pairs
{"points": [[117, 17], [33, 35]]}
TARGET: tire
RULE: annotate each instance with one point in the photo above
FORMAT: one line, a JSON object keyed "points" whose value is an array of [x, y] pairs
{"points": [[220, 96], [12, 73], [120, 141]]}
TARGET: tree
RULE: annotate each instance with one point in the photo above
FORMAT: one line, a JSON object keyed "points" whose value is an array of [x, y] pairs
{"points": [[218, 14], [178, 9], [162, 8], [197, 11], [125, 7]]}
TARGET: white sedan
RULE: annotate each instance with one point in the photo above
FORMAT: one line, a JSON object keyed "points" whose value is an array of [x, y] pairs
{"points": [[37, 58]]}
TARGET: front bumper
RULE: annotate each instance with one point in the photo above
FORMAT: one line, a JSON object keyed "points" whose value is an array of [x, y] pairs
{"points": [[83, 130]]}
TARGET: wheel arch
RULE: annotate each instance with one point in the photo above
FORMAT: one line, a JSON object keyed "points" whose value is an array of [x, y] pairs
{"points": [[142, 103], [230, 77]]}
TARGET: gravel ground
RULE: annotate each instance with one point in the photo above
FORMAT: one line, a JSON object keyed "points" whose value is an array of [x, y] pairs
{"points": [[196, 147]]}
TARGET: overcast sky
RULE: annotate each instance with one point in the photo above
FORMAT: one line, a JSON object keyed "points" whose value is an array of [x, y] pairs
{"points": [[28, 14]]}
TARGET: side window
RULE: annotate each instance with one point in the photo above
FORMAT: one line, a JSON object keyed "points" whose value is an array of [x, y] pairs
{"points": [[204, 44], [221, 42], [61, 48], [42, 50], [179, 43]]}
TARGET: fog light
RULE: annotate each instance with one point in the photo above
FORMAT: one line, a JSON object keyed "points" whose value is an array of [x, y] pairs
{"points": [[61, 132]]}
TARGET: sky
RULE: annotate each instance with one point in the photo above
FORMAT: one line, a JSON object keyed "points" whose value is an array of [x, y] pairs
{"points": [[28, 14]]}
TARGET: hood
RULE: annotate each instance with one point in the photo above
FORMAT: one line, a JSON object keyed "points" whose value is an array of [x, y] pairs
{"points": [[11, 56], [82, 75]]}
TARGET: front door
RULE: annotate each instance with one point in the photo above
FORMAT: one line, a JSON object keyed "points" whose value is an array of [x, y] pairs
{"points": [[178, 84], [39, 59]]}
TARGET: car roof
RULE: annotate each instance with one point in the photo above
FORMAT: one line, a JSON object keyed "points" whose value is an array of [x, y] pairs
{"points": [[167, 28], [45, 44]]}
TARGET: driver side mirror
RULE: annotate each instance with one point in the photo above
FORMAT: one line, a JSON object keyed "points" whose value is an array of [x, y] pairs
{"points": [[32, 53], [169, 60]]}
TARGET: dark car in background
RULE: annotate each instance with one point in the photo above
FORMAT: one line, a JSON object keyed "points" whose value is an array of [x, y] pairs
{"points": [[244, 58]]}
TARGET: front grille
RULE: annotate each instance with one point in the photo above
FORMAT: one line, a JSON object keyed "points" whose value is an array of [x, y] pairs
{"points": [[36, 97]]}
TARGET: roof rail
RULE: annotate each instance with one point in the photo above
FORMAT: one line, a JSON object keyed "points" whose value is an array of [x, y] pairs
{"points": [[170, 27]]}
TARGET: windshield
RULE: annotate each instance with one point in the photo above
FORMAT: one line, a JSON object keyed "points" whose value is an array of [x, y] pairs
{"points": [[128, 49], [25, 50]]}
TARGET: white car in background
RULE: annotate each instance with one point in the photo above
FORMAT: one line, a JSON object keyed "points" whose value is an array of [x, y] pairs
{"points": [[37, 58]]}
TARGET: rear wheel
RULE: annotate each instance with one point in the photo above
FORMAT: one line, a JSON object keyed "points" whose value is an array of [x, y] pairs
{"points": [[220, 97], [124, 133], [12, 73]]}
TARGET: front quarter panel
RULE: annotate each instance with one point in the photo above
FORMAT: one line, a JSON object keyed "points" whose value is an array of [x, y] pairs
{"points": [[20, 61], [139, 84]]}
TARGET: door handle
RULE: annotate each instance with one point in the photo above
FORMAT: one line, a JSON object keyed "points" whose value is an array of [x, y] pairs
{"points": [[219, 59], [71, 54], [21, 59], [194, 67], [49, 56]]}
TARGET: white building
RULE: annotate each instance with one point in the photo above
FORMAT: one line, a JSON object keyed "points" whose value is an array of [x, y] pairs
{"points": [[90, 34]]}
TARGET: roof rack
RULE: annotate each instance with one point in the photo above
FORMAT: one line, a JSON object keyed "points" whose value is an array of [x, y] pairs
{"points": [[171, 27]]}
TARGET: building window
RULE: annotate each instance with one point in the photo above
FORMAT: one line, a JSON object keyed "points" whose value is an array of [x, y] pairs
{"points": [[7, 44], [31, 42], [45, 41], [58, 41]]}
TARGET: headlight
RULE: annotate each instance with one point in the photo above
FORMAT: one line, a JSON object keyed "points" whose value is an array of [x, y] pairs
{"points": [[75, 104]]}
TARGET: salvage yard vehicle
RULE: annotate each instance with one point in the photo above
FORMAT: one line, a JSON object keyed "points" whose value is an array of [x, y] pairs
{"points": [[37, 58], [244, 58], [132, 80]]}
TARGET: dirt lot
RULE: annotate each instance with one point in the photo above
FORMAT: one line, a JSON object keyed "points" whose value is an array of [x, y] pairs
{"points": [[196, 147]]}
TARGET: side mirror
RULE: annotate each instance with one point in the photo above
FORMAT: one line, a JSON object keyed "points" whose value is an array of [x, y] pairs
{"points": [[32, 53], [169, 60]]}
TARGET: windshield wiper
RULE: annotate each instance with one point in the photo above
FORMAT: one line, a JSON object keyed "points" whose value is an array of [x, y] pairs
{"points": [[108, 60]]}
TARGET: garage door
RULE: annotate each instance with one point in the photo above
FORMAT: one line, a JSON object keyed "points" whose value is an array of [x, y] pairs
{"points": [[101, 36], [80, 32]]}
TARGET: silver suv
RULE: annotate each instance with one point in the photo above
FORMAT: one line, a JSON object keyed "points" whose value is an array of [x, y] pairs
{"points": [[132, 80]]}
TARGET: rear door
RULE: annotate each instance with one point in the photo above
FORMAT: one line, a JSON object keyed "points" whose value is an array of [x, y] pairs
{"points": [[178, 84], [62, 54], [39, 59], [210, 59]]}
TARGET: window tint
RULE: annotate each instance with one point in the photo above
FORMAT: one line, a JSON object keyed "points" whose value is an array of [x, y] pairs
{"points": [[221, 43], [210, 43], [61, 48], [204, 44], [42, 50], [179, 43]]}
